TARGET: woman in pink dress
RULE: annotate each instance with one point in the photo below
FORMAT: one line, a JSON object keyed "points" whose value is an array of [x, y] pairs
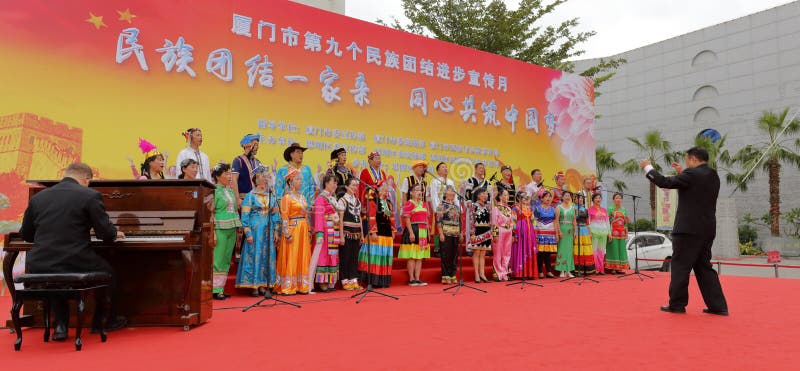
{"points": [[600, 227], [523, 252], [327, 234], [504, 221], [415, 245]]}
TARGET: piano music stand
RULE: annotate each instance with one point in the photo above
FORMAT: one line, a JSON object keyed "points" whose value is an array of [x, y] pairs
{"points": [[268, 294]]}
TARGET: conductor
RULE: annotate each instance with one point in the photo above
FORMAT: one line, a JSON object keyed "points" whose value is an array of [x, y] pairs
{"points": [[694, 231], [57, 222]]}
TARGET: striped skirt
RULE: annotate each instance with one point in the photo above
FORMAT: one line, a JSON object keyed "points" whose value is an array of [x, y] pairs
{"points": [[375, 262], [546, 237], [583, 252]]}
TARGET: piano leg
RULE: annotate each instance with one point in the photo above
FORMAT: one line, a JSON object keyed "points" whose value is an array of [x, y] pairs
{"points": [[188, 279], [15, 308], [8, 267]]}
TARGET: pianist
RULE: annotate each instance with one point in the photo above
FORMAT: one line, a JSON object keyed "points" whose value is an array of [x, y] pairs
{"points": [[57, 222]]}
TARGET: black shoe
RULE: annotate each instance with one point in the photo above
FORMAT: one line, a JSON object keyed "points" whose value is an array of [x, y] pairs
{"points": [[666, 308], [113, 324], [220, 296], [60, 332], [715, 312]]}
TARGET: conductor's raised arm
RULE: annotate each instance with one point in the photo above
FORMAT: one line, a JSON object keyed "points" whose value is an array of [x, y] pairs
{"points": [[680, 181]]}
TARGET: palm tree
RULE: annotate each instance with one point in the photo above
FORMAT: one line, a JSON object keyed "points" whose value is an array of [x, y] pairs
{"points": [[658, 151], [780, 147], [607, 162]]}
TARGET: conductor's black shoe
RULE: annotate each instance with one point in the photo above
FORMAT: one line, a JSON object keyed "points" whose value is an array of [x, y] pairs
{"points": [[666, 308], [715, 312], [60, 332]]}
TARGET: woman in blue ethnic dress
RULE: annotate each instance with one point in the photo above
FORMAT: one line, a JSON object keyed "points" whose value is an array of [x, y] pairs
{"points": [[262, 227]]}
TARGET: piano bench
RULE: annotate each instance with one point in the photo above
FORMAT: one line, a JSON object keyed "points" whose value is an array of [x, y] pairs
{"points": [[70, 286]]}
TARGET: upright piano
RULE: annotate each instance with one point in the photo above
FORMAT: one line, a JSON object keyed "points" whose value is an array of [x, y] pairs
{"points": [[163, 265]]}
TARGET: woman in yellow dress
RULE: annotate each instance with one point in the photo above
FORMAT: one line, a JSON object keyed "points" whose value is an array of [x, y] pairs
{"points": [[294, 252]]}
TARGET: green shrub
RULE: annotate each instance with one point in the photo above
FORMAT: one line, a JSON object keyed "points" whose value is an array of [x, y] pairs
{"points": [[747, 233], [645, 225], [749, 249]]}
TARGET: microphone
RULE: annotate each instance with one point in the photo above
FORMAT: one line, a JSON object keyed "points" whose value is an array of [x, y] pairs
{"points": [[493, 177], [434, 175]]}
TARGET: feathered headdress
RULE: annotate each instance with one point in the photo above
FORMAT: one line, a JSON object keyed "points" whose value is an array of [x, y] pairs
{"points": [[188, 133], [148, 149]]}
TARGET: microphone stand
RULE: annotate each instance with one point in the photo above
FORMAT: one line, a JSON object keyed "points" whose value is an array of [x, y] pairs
{"points": [[636, 271], [584, 276], [268, 293], [464, 206], [368, 289], [524, 281]]}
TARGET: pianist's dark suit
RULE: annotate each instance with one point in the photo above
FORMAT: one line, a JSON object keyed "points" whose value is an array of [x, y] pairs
{"points": [[57, 222], [693, 234]]}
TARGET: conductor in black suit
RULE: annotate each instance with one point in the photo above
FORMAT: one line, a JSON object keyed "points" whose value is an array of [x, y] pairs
{"points": [[694, 231], [57, 222]]}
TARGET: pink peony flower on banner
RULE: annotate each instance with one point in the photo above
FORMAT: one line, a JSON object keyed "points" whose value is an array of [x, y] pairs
{"points": [[569, 99]]}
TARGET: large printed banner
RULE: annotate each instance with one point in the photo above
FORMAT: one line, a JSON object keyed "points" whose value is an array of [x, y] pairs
{"points": [[84, 80], [666, 206]]}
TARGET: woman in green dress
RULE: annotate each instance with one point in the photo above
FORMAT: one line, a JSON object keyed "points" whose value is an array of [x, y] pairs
{"points": [[226, 221], [565, 235], [616, 254]]}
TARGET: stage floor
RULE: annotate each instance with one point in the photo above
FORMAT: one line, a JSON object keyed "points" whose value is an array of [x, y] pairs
{"points": [[615, 324]]}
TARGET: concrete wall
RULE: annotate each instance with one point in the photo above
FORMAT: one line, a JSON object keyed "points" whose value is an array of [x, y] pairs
{"points": [[720, 77]]}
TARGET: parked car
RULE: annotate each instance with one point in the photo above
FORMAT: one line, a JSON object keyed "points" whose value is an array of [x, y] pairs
{"points": [[651, 245]]}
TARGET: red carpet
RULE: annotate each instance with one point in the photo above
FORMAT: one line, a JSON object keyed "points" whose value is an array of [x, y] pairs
{"points": [[612, 325]]}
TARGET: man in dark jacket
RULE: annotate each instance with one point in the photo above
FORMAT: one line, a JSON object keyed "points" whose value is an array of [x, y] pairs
{"points": [[58, 221], [694, 231]]}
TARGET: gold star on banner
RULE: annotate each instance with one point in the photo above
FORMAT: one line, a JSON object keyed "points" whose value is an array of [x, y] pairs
{"points": [[126, 16], [97, 21]]}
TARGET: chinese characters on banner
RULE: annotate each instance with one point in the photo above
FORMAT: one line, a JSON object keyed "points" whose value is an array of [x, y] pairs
{"points": [[178, 56]]}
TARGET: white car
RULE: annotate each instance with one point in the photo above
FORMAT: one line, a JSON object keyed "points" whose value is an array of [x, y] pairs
{"points": [[651, 245]]}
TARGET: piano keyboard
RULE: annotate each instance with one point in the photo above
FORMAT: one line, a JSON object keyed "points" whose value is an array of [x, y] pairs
{"points": [[154, 238]]}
